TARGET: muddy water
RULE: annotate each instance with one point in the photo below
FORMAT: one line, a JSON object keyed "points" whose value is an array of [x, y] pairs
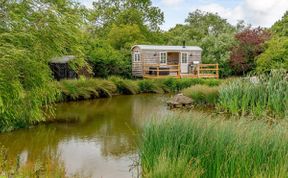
{"points": [[99, 142]]}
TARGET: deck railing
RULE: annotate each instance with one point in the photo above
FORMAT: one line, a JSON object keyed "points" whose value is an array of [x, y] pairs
{"points": [[164, 71]]}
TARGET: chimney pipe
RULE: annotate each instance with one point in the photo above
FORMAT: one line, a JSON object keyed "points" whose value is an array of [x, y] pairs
{"points": [[184, 44]]}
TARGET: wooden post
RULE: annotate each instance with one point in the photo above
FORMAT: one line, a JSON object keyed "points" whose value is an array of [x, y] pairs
{"points": [[217, 71], [178, 72], [198, 70], [158, 70]]}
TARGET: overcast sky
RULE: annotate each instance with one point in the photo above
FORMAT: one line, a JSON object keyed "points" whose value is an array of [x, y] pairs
{"points": [[256, 12]]}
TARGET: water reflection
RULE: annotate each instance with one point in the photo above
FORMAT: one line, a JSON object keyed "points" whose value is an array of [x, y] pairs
{"points": [[100, 142]]}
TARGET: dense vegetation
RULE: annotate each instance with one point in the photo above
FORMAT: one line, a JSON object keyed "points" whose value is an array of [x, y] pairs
{"points": [[199, 146], [95, 88], [34, 31]]}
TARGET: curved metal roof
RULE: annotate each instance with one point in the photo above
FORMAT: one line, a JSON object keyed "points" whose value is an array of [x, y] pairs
{"points": [[168, 48]]}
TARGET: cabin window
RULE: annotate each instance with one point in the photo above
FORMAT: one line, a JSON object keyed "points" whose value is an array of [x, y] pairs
{"points": [[136, 57], [163, 58], [184, 58]]}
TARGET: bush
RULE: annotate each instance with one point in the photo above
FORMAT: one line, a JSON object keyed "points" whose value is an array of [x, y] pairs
{"points": [[187, 146], [202, 94]]}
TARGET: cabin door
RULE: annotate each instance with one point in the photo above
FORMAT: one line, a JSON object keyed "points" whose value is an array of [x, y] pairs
{"points": [[184, 63]]}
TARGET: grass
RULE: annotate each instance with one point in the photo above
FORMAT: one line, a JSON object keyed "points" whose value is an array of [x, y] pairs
{"points": [[267, 97], [202, 94], [86, 88], [125, 86], [200, 146], [83, 88]]}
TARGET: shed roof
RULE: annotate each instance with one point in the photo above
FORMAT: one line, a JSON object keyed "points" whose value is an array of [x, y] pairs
{"points": [[168, 48], [62, 59]]}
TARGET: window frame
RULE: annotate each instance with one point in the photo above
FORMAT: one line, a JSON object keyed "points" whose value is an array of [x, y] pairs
{"points": [[160, 58], [187, 56], [136, 57]]}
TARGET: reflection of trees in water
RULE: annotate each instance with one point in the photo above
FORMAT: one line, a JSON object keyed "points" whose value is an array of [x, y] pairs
{"points": [[112, 122]]}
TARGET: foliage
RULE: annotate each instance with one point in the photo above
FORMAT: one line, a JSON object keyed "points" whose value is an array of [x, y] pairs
{"points": [[86, 88], [107, 61], [267, 95], [250, 45], [25, 49], [213, 148], [202, 94], [124, 86], [275, 55], [127, 12], [150, 86]]}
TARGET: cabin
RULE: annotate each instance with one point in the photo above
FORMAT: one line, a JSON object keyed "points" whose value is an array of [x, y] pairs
{"points": [[150, 61]]}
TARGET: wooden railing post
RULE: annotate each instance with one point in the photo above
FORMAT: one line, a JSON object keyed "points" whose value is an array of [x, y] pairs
{"points": [[158, 67], [198, 70], [217, 71]]}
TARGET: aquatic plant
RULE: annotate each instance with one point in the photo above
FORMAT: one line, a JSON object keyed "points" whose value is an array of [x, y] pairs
{"points": [[125, 86], [150, 86], [199, 146], [266, 96], [86, 88], [202, 94]]}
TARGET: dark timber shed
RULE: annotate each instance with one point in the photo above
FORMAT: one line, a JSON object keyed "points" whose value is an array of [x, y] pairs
{"points": [[60, 68]]}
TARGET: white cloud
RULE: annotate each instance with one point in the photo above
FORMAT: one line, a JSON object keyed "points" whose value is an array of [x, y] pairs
{"points": [[256, 12], [172, 2], [264, 12], [231, 14]]}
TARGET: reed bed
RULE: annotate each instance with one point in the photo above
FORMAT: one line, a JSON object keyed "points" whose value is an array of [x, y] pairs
{"points": [[83, 88], [201, 146], [202, 94], [266, 96]]}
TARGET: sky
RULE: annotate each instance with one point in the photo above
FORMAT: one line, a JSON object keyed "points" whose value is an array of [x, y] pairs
{"points": [[262, 13]]}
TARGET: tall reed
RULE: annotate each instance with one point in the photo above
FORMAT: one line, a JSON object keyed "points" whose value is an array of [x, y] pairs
{"points": [[267, 96], [200, 146]]}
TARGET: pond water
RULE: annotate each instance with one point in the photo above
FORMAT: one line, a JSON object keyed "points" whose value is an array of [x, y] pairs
{"points": [[101, 140]]}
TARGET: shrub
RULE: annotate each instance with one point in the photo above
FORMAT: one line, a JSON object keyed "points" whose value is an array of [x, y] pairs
{"points": [[206, 147], [202, 94]]}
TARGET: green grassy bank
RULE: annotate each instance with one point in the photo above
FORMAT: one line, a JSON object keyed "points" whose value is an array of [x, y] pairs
{"points": [[94, 88], [201, 146]]}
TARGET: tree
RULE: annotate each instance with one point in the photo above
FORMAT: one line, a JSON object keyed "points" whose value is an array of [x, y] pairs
{"points": [[33, 32], [275, 55], [128, 12], [249, 46]]}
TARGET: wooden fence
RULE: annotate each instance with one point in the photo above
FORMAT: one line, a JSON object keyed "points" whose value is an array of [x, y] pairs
{"points": [[164, 71]]}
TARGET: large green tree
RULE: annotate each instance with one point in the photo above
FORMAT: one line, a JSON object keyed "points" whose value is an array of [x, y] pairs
{"points": [[32, 32], [276, 54]]}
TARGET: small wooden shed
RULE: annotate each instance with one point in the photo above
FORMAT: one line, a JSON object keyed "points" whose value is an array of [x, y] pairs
{"points": [[152, 61], [60, 68]]}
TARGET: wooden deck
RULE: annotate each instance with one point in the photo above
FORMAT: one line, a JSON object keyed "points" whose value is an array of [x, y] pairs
{"points": [[154, 71]]}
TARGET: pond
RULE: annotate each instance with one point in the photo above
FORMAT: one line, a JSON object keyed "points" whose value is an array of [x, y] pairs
{"points": [[100, 142]]}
